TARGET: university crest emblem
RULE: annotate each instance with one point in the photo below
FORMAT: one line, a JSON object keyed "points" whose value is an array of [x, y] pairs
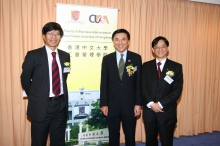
{"points": [[75, 15]]}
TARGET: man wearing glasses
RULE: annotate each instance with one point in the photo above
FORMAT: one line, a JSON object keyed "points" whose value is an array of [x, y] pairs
{"points": [[44, 74], [161, 87]]}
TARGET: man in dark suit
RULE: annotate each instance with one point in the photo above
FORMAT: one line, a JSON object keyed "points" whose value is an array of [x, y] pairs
{"points": [[43, 78], [120, 98], [161, 87]]}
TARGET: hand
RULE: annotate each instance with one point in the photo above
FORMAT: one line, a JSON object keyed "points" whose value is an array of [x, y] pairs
{"points": [[137, 110], [156, 107], [104, 110]]}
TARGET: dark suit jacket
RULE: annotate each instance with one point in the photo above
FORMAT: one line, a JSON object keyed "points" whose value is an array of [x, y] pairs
{"points": [[120, 96], [35, 81], [154, 89]]}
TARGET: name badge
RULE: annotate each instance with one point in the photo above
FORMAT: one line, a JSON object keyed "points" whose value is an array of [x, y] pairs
{"points": [[135, 68], [168, 79], [66, 70]]}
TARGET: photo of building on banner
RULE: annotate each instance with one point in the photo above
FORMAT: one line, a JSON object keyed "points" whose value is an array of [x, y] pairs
{"points": [[87, 37]]}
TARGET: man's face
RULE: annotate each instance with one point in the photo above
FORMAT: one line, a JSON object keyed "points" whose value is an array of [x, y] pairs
{"points": [[160, 50], [52, 39], [121, 42]]}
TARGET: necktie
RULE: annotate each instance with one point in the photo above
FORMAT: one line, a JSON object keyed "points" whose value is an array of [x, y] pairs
{"points": [[158, 69], [55, 76], [121, 66]]}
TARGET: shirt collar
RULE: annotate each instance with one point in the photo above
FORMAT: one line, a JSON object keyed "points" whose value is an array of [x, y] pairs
{"points": [[162, 62], [118, 54], [49, 51]]}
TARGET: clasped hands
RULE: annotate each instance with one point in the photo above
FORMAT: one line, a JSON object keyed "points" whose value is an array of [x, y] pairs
{"points": [[137, 110], [156, 107]]}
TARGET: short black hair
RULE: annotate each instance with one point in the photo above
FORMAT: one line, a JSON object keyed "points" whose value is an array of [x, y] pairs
{"points": [[121, 31], [157, 39], [52, 26]]}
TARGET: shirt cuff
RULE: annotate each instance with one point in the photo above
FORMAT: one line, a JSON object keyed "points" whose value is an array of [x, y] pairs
{"points": [[149, 104], [160, 104]]}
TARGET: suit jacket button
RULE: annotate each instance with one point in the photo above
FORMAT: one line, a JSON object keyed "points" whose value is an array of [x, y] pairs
{"points": [[121, 84]]}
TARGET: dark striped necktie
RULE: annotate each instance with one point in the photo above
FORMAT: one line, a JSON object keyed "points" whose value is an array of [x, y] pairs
{"points": [[158, 69], [55, 76], [121, 66]]}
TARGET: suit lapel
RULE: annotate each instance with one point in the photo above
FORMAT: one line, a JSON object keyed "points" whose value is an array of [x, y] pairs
{"points": [[115, 64], [127, 62], [167, 63], [62, 58], [44, 63], [153, 69], [163, 74], [128, 59]]}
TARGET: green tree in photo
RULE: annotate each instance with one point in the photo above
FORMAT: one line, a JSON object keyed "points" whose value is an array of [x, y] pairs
{"points": [[96, 120], [74, 132]]}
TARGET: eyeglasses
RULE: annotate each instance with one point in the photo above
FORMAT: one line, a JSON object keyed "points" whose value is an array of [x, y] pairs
{"points": [[160, 47], [53, 33]]}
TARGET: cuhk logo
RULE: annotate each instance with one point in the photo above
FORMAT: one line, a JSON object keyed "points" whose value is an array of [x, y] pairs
{"points": [[75, 15], [98, 19]]}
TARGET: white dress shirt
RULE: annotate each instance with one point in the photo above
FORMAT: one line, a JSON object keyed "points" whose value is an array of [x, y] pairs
{"points": [[118, 56], [161, 68], [50, 58]]}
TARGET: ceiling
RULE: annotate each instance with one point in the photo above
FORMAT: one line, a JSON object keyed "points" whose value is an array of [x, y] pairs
{"points": [[208, 1]]}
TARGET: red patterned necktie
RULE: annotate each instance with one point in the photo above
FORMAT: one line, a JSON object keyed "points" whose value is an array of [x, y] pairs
{"points": [[158, 69], [55, 76]]}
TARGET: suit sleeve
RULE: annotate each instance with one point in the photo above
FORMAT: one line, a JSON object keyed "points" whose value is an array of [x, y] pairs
{"points": [[144, 94], [174, 95], [67, 59], [138, 84], [104, 84], [27, 72]]}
